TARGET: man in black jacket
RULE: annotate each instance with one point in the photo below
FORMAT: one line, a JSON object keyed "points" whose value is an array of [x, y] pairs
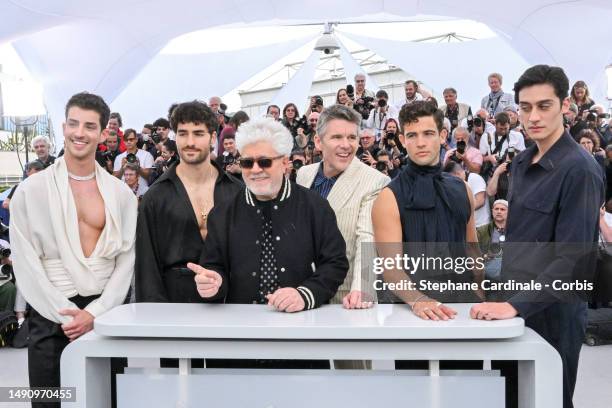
{"points": [[275, 243], [172, 221]]}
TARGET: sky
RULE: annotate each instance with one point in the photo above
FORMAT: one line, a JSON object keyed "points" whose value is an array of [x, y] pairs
{"points": [[22, 94]]}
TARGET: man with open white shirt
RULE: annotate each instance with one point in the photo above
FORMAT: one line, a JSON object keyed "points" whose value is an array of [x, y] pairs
{"points": [[143, 158], [73, 228]]}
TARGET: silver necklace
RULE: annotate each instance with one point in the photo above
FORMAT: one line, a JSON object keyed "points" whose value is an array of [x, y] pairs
{"points": [[82, 178]]}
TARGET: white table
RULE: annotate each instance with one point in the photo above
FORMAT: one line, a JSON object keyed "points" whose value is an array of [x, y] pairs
{"points": [[384, 333]]}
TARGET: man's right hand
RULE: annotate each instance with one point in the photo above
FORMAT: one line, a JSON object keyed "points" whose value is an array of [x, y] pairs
{"points": [[429, 309], [207, 282]]}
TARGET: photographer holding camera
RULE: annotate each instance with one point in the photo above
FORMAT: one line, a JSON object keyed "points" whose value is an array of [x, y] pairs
{"points": [[385, 165], [228, 161], [467, 156], [392, 143], [293, 121], [297, 161], [381, 114], [168, 156], [596, 119], [499, 182], [363, 98], [368, 150], [453, 110], [494, 147], [106, 158], [343, 98], [133, 154]]}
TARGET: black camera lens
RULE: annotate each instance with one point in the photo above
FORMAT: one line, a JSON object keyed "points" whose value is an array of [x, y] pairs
{"points": [[381, 166], [382, 103], [6, 271], [478, 121], [461, 145], [131, 158], [297, 164], [511, 153], [5, 252]]}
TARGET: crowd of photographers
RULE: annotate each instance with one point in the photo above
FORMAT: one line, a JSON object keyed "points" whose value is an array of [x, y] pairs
{"points": [[480, 146]]}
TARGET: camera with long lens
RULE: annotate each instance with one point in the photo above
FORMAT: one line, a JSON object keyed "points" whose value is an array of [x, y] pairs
{"points": [[382, 103], [131, 158], [511, 153], [390, 140], [461, 146], [591, 116], [350, 91], [365, 105], [228, 159]]}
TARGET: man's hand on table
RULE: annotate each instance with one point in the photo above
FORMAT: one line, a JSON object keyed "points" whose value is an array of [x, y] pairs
{"points": [[493, 311], [357, 300], [286, 300], [430, 309], [207, 282]]}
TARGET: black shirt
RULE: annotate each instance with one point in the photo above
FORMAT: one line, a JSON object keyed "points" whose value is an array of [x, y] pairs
{"points": [[168, 236], [555, 200]]}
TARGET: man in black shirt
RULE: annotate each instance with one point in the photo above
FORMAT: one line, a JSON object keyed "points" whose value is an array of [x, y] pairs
{"points": [[172, 221], [555, 195]]}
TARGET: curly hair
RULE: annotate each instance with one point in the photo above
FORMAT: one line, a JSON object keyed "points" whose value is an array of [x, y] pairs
{"points": [[193, 112], [411, 113]]}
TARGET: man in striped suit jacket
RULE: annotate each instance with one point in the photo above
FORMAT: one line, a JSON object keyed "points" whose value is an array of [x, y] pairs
{"points": [[350, 187]]}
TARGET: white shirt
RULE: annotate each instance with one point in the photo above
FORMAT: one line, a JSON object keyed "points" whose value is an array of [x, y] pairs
{"points": [[477, 184], [145, 158], [141, 190], [514, 139], [374, 120]]}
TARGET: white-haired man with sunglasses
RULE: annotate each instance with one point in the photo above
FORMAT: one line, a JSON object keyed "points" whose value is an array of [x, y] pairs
{"points": [[275, 243]]}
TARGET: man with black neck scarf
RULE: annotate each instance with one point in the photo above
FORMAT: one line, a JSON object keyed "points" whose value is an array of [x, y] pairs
{"points": [[424, 205]]}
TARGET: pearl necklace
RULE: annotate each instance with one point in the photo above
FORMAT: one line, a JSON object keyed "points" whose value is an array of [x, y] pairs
{"points": [[82, 178]]}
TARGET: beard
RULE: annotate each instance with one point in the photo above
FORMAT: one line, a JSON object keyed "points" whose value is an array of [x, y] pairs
{"points": [[199, 158]]}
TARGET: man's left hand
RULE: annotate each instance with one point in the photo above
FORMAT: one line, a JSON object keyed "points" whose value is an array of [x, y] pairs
{"points": [[286, 300], [493, 311], [82, 322]]}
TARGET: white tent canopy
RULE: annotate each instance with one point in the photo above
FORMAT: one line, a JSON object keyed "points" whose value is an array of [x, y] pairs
{"points": [[103, 47]]}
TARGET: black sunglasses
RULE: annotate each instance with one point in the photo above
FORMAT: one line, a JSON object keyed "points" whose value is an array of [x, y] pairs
{"points": [[262, 162]]}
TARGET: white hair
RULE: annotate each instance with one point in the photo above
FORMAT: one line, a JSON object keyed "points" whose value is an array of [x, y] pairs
{"points": [[265, 130], [446, 124], [40, 138], [367, 131], [359, 75], [460, 129]]}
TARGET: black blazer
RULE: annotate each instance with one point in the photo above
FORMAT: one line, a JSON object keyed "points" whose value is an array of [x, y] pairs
{"points": [[309, 248]]}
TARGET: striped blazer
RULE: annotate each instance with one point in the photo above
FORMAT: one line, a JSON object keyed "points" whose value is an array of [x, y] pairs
{"points": [[352, 198]]}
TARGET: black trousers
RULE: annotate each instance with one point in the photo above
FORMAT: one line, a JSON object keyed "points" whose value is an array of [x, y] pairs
{"points": [[47, 341], [563, 326]]}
